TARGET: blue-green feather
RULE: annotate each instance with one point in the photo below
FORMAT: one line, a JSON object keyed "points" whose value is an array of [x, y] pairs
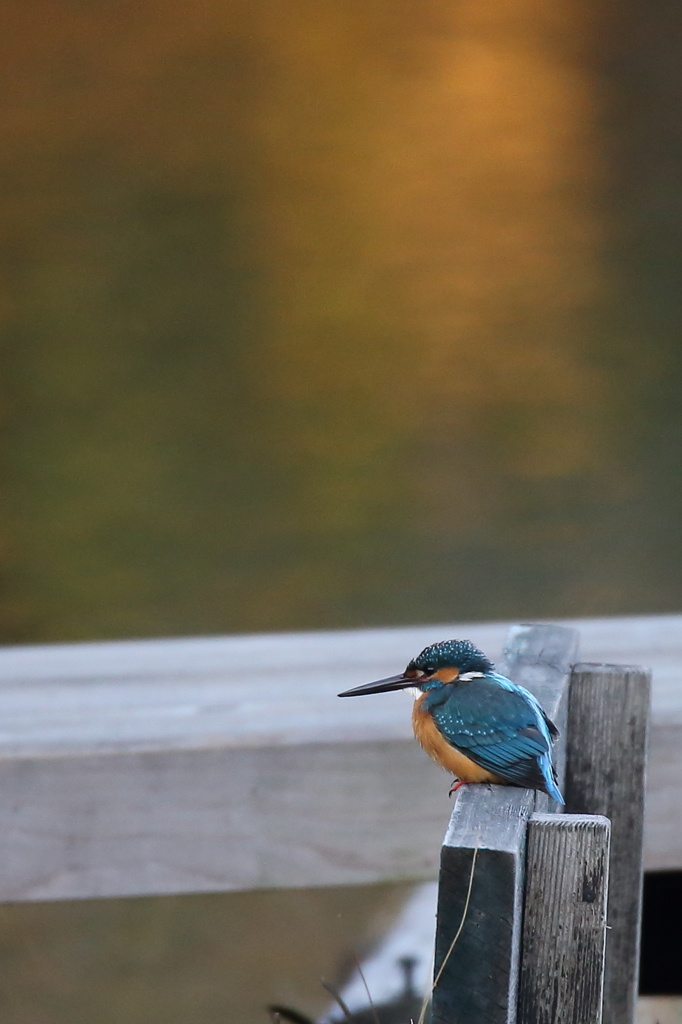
{"points": [[498, 725]]}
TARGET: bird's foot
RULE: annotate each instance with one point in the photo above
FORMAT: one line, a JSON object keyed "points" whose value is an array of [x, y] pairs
{"points": [[455, 786]]}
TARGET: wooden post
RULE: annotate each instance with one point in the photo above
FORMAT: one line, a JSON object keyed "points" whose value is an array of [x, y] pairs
{"points": [[564, 924], [605, 774], [480, 978]]}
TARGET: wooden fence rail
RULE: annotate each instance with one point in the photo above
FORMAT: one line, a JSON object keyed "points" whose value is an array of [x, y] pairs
{"points": [[228, 763]]}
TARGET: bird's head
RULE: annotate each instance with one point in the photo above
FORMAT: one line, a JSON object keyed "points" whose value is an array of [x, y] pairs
{"points": [[438, 665]]}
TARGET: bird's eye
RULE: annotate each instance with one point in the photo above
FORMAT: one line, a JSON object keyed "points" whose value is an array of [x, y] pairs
{"points": [[429, 670]]}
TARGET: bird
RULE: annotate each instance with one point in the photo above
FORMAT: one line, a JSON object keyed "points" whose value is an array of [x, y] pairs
{"points": [[474, 722]]}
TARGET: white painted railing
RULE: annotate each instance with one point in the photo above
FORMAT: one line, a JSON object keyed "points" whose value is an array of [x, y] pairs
{"points": [[170, 766]]}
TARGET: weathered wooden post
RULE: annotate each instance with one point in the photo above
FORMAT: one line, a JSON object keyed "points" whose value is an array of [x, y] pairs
{"points": [[605, 774], [478, 978], [560, 969], [564, 920]]}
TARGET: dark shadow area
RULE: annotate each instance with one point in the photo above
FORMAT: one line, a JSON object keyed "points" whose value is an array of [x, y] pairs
{"points": [[661, 958]]}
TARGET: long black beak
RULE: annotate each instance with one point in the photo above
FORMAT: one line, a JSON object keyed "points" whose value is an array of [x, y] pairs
{"points": [[400, 682]]}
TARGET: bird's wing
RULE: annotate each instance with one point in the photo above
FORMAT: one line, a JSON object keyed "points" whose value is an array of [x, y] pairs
{"points": [[551, 727], [497, 727]]}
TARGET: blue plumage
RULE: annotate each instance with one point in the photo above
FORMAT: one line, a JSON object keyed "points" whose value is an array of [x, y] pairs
{"points": [[499, 726], [474, 721]]}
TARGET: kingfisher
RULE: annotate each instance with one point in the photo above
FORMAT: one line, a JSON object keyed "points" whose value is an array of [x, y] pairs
{"points": [[474, 722]]}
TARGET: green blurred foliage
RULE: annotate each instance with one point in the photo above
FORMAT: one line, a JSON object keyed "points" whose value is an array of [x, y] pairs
{"points": [[314, 317]]}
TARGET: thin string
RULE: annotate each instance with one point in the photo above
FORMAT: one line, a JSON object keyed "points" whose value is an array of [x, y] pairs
{"points": [[332, 992], [369, 997], [422, 1015]]}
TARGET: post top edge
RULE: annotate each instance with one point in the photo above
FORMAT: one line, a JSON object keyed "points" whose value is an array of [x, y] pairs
{"points": [[566, 820], [595, 666]]}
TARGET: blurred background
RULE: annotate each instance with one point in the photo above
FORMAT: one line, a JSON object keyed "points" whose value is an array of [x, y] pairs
{"points": [[320, 315]]}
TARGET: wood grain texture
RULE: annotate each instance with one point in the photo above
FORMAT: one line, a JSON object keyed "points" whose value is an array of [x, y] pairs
{"points": [[115, 697], [78, 721], [480, 978], [564, 926], [215, 820], [608, 715]]}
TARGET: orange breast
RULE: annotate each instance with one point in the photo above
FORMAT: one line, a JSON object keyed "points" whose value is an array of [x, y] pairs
{"points": [[438, 748]]}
